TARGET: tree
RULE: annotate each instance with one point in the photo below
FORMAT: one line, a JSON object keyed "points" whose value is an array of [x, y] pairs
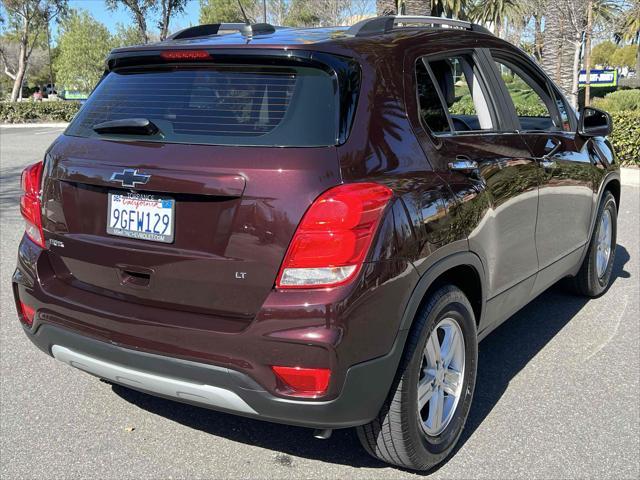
{"points": [[277, 10], [36, 71], [598, 11], [495, 12], [436, 8], [127, 35], [629, 29], [83, 46], [387, 7], [603, 52], [564, 24], [167, 9], [625, 57], [534, 10], [26, 19], [227, 11], [140, 9], [302, 13], [565, 29]]}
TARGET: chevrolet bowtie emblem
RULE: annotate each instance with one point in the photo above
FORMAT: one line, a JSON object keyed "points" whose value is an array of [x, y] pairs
{"points": [[130, 177]]}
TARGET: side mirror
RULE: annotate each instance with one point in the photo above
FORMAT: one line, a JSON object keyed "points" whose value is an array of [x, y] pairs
{"points": [[594, 123]]}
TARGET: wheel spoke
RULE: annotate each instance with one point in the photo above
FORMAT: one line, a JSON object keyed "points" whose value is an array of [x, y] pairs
{"points": [[425, 392], [450, 346], [436, 408], [432, 350]]}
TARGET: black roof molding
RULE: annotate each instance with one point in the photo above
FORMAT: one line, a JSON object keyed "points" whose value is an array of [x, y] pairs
{"points": [[215, 28], [386, 24]]}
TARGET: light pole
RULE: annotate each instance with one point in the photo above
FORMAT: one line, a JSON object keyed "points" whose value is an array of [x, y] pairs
{"points": [[264, 10]]}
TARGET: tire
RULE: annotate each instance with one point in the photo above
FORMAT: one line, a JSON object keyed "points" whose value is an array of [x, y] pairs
{"points": [[398, 435], [590, 281]]}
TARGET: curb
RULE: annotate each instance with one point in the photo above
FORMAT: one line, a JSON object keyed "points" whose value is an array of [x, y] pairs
{"points": [[32, 125]]}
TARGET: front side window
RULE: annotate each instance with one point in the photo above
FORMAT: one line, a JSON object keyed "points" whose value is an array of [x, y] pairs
{"points": [[451, 97], [535, 106]]}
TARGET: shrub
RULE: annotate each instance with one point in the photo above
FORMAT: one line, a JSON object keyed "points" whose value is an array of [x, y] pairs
{"points": [[28, 112], [620, 100], [626, 136]]}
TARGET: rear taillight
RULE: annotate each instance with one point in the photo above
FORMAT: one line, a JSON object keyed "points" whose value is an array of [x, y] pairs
{"points": [[334, 236], [303, 382], [30, 205]]}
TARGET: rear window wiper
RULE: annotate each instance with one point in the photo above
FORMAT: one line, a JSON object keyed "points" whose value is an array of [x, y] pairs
{"points": [[131, 126]]}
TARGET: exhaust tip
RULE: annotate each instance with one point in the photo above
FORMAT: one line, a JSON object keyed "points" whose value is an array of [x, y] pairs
{"points": [[322, 433]]}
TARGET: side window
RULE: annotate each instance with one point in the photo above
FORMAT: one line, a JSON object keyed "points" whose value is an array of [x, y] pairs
{"points": [[432, 111], [535, 107], [450, 95]]}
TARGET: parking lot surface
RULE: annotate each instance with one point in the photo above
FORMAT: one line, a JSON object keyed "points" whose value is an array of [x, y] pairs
{"points": [[557, 392]]}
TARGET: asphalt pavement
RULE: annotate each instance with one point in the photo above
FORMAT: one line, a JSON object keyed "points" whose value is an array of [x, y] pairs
{"points": [[557, 393]]}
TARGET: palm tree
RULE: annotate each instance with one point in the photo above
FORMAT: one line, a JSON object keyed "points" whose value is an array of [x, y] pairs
{"points": [[629, 29], [561, 42], [436, 8], [496, 12]]}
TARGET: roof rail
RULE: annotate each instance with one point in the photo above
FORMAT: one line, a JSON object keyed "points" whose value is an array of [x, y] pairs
{"points": [[385, 24], [215, 28]]}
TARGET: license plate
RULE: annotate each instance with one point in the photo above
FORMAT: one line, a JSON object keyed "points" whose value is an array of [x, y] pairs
{"points": [[145, 217]]}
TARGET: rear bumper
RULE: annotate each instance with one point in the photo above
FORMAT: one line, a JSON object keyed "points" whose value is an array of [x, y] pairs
{"points": [[165, 353], [216, 387]]}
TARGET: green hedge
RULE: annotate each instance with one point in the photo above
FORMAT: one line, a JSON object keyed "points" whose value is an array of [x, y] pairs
{"points": [[625, 137], [619, 101], [30, 112]]}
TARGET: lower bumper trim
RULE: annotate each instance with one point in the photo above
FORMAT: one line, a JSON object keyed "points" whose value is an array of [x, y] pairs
{"points": [[210, 395]]}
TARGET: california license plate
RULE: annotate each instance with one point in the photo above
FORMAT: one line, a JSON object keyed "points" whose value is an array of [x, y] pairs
{"points": [[145, 217]]}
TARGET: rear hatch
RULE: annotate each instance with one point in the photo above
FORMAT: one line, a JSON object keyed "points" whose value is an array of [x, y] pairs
{"points": [[239, 154]]}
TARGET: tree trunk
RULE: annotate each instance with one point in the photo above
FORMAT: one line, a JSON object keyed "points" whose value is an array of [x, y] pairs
{"points": [[417, 7], [166, 15], [16, 92], [558, 54], [587, 53], [538, 36], [142, 26], [49, 49], [386, 7], [573, 97]]}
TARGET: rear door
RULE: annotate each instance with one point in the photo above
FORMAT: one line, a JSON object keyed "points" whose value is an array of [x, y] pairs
{"points": [[240, 153], [569, 179], [459, 121]]}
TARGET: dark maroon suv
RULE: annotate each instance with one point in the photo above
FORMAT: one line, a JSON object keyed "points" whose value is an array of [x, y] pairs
{"points": [[314, 226]]}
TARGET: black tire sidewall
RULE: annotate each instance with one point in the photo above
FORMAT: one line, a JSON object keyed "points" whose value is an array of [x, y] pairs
{"points": [[599, 284], [449, 306]]}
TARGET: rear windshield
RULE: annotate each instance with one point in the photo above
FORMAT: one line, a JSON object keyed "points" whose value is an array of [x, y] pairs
{"points": [[222, 105]]}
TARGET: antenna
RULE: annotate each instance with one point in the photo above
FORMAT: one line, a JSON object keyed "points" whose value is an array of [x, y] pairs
{"points": [[246, 19]]}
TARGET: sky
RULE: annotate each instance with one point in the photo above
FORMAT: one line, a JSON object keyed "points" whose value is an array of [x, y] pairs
{"points": [[98, 9]]}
